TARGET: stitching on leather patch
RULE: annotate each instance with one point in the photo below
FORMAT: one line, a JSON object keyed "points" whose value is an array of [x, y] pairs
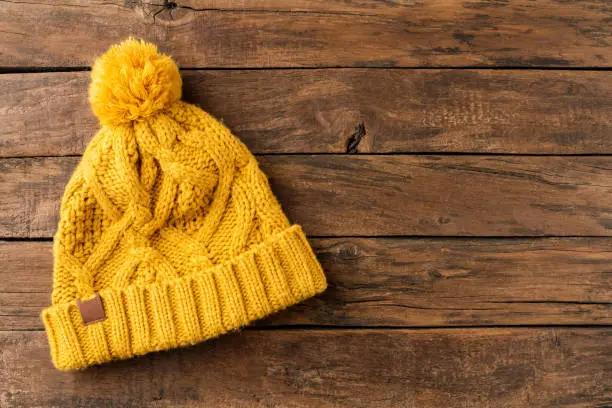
{"points": [[92, 310]]}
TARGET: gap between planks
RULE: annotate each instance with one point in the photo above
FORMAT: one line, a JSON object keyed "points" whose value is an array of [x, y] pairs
{"points": [[49, 69]]}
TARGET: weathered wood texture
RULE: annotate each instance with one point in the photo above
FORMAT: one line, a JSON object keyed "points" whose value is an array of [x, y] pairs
{"points": [[398, 282], [300, 33], [317, 111], [350, 195], [353, 368]]}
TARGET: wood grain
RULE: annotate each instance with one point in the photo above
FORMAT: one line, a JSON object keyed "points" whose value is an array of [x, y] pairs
{"points": [[398, 282], [548, 33], [352, 368], [350, 195], [317, 111], [435, 262]]}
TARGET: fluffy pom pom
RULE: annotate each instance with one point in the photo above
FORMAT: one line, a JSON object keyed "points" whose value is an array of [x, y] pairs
{"points": [[131, 81]]}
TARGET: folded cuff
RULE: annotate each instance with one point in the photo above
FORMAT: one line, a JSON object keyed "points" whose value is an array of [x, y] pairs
{"points": [[276, 274]]}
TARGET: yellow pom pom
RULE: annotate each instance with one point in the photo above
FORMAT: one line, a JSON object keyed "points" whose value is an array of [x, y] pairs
{"points": [[132, 81]]}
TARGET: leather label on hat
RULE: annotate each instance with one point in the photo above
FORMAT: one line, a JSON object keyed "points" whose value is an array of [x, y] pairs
{"points": [[92, 310]]}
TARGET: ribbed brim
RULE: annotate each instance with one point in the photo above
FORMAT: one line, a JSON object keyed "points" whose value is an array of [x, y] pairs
{"points": [[278, 273]]}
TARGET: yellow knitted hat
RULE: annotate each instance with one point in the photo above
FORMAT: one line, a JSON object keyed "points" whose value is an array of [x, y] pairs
{"points": [[169, 233]]}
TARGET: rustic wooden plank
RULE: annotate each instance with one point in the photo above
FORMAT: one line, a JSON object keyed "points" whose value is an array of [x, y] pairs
{"points": [[27, 279], [349, 195], [398, 282], [317, 111], [352, 368], [389, 34], [29, 203], [444, 195]]}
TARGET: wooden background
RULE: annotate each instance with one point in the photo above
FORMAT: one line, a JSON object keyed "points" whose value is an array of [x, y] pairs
{"points": [[451, 161]]}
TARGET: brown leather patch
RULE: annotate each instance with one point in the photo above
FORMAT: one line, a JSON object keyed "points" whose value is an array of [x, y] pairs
{"points": [[92, 310]]}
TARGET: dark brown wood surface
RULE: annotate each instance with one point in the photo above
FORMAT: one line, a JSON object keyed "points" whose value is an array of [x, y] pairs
{"points": [[328, 368], [350, 195], [399, 282], [450, 160], [318, 111], [300, 33]]}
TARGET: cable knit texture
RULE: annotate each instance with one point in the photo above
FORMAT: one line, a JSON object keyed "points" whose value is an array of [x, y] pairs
{"points": [[168, 219]]}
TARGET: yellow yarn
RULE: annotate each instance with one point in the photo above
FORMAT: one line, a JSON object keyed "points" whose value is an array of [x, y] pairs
{"points": [[132, 80], [170, 220]]}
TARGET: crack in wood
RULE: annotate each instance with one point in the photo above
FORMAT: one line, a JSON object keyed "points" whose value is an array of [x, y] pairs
{"points": [[167, 5], [353, 141]]}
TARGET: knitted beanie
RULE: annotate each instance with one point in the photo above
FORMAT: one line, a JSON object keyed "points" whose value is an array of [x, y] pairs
{"points": [[169, 233]]}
